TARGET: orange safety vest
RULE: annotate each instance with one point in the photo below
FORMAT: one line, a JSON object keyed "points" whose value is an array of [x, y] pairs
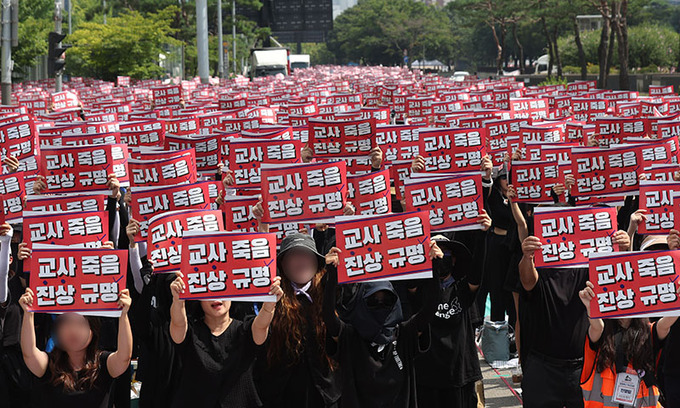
{"points": [[598, 388]]}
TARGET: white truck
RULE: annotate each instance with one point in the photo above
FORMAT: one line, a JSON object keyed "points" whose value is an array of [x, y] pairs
{"points": [[269, 61], [541, 65], [299, 61]]}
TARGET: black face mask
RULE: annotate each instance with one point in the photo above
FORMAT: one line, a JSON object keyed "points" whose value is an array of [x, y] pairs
{"points": [[443, 265], [376, 319]]}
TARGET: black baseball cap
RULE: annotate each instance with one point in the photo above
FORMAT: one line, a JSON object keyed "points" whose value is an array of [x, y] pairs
{"points": [[302, 241]]}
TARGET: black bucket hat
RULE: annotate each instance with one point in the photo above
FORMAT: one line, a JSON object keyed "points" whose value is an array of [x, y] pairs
{"points": [[299, 240]]}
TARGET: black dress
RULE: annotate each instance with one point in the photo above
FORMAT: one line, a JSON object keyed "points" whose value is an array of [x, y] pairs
{"points": [[306, 383], [98, 396], [217, 370]]}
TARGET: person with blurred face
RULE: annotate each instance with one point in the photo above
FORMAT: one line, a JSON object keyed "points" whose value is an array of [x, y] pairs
{"points": [[216, 351], [621, 356], [75, 373], [296, 370]]}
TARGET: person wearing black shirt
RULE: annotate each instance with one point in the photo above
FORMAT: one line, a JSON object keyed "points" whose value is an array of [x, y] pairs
{"points": [[671, 357], [217, 352], [554, 325], [498, 256], [15, 379], [447, 372], [296, 370], [75, 373], [376, 350]]}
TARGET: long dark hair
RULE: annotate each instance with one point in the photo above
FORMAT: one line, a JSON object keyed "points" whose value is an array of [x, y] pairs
{"points": [[289, 326], [635, 343], [62, 371]]}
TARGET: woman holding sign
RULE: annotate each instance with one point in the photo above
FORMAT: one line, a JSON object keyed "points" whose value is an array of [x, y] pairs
{"points": [[296, 370], [75, 373], [620, 359], [217, 352]]}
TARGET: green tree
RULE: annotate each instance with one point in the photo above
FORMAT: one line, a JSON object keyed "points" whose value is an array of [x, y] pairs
{"points": [[382, 31], [35, 22], [128, 44]]}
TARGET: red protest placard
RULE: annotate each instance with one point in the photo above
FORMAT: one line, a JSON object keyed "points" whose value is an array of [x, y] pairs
{"points": [[614, 130], [400, 171], [238, 213], [659, 201], [453, 201], [398, 142], [79, 229], [83, 168], [166, 230], [570, 235], [661, 172], [533, 181], [634, 283], [64, 100], [76, 279], [12, 193], [143, 133], [303, 192], [185, 125], [605, 172], [66, 202], [123, 80], [19, 138], [498, 131], [147, 201], [176, 170], [370, 193], [382, 247], [170, 95], [226, 265], [90, 139], [452, 150], [247, 155], [207, 149], [333, 138]]}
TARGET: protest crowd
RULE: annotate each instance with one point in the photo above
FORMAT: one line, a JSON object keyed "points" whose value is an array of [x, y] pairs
{"points": [[342, 237]]}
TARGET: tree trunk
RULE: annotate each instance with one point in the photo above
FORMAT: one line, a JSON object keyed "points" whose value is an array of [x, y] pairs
{"points": [[621, 28], [558, 60], [581, 54], [499, 47], [603, 49], [610, 53], [551, 57], [520, 49], [503, 52]]}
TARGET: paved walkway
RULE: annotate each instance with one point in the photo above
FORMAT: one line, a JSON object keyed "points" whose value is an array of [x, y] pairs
{"points": [[497, 391]]}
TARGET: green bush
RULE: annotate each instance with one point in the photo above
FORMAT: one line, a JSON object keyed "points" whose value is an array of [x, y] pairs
{"points": [[649, 69], [569, 52], [554, 81], [648, 44], [651, 44]]}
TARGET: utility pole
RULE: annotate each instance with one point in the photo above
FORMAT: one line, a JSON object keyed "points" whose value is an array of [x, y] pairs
{"points": [[233, 31], [58, 5], [202, 40], [70, 11], [6, 53], [220, 41]]}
